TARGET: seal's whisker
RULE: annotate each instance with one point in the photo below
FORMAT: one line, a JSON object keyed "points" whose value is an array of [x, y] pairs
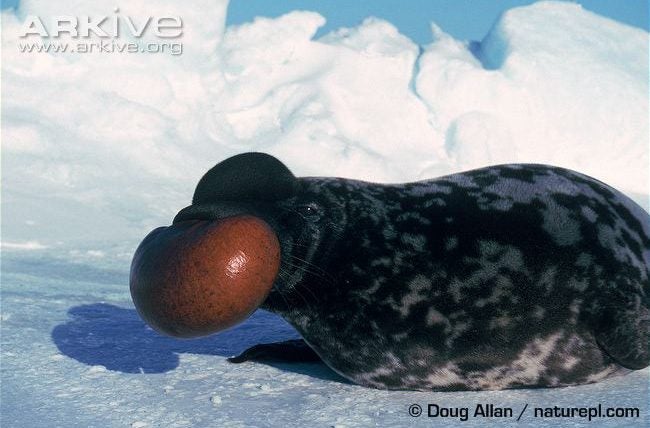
{"points": [[325, 279], [306, 262], [302, 297], [286, 302], [302, 285], [280, 292], [318, 268], [306, 268], [305, 287]]}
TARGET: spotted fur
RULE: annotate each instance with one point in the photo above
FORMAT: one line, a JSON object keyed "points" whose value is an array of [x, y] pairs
{"points": [[508, 276]]}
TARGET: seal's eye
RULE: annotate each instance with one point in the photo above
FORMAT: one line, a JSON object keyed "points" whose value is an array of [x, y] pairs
{"points": [[310, 212]]}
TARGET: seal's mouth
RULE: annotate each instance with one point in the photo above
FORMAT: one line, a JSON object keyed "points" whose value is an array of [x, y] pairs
{"points": [[201, 275]]}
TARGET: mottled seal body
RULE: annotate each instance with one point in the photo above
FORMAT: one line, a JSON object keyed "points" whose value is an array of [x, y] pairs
{"points": [[502, 277]]}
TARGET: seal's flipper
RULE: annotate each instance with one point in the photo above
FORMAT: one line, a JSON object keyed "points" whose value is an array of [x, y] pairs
{"points": [[290, 351], [624, 333]]}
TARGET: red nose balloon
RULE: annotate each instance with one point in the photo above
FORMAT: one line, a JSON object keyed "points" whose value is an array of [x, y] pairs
{"points": [[198, 277]]}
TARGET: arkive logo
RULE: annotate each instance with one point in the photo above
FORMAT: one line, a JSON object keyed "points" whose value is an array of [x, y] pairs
{"points": [[113, 26], [102, 34]]}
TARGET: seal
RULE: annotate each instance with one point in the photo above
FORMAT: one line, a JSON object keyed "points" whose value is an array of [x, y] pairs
{"points": [[509, 276]]}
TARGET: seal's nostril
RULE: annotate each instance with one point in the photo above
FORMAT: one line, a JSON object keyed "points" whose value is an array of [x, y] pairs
{"points": [[185, 214], [210, 211]]}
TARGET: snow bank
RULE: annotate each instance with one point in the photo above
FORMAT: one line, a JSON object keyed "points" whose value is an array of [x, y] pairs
{"points": [[550, 83], [102, 147]]}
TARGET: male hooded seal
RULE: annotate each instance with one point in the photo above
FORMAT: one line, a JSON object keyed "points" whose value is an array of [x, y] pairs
{"points": [[507, 276]]}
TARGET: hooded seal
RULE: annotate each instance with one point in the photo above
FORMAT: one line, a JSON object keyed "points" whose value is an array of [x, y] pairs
{"points": [[508, 276]]}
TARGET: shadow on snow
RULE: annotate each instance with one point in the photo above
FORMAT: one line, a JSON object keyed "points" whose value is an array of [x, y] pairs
{"points": [[116, 338]]}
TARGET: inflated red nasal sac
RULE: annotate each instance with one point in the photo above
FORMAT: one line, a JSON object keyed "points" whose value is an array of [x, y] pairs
{"points": [[198, 277]]}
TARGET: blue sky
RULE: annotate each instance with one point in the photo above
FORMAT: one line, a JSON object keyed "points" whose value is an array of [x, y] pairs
{"points": [[464, 19]]}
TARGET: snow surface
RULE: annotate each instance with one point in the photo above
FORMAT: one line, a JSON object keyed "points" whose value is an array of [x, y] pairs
{"points": [[99, 149]]}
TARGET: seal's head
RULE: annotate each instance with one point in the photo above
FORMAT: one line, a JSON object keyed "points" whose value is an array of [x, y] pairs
{"points": [[245, 240]]}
